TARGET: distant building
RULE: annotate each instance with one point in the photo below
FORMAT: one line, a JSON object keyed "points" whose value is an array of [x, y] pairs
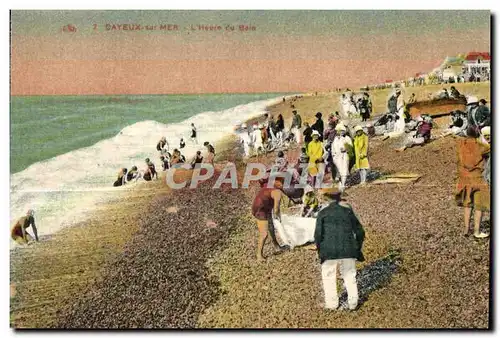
{"points": [[451, 68], [477, 65]]}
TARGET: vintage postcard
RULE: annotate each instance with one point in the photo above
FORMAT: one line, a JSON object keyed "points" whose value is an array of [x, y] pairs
{"points": [[250, 169]]}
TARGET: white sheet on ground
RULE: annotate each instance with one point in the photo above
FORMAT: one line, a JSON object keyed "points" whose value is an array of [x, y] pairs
{"points": [[295, 230]]}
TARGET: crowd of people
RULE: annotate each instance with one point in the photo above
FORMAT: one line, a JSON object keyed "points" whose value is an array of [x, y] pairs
{"points": [[339, 234], [339, 150], [167, 159]]}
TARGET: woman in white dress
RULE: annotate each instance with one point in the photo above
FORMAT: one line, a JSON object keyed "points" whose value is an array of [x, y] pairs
{"points": [[340, 154]]}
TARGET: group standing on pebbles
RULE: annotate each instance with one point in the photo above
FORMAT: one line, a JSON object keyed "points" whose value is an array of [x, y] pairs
{"points": [[337, 150], [339, 235]]}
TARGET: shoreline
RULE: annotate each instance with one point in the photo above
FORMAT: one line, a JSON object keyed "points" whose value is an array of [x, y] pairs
{"points": [[79, 255], [82, 191]]}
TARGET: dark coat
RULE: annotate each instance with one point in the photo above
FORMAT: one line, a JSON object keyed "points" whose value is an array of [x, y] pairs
{"points": [[478, 116], [280, 125], [338, 233], [392, 104], [319, 127], [307, 134], [297, 121]]}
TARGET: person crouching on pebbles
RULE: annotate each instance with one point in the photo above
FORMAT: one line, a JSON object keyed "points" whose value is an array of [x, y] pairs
{"points": [[122, 178], [150, 171], [339, 238], [19, 231], [267, 201], [209, 158], [162, 145]]}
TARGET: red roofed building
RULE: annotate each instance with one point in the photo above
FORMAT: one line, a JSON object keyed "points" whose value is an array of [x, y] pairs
{"points": [[475, 56], [477, 64]]}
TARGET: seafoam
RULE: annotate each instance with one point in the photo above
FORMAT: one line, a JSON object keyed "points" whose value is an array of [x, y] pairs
{"points": [[68, 188]]}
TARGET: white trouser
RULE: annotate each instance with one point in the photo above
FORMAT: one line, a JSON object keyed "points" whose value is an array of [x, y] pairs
{"points": [[246, 149], [342, 182], [362, 174], [329, 276], [341, 161], [298, 134]]}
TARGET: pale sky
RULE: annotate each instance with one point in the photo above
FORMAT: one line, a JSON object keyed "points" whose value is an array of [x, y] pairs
{"points": [[288, 51]]}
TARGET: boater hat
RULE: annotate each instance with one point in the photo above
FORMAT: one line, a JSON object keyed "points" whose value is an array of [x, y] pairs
{"points": [[332, 194], [340, 127], [486, 131], [471, 100], [315, 132], [358, 128]]}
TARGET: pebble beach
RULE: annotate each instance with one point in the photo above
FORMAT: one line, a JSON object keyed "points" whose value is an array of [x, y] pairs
{"points": [[166, 258]]}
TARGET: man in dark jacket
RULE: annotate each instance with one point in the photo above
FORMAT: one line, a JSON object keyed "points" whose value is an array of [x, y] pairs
{"points": [[339, 238], [307, 134], [478, 114], [392, 103], [319, 126], [296, 126]]}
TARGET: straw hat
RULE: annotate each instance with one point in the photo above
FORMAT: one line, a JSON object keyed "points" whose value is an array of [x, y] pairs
{"points": [[472, 99], [358, 128], [315, 132], [244, 125], [340, 127], [331, 194], [486, 131]]}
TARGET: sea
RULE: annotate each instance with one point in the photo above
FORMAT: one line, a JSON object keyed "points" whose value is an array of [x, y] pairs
{"points": [[65, 151]]}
